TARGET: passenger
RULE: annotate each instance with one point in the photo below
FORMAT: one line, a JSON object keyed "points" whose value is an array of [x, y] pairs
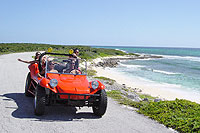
{"points": [[37, 55], [51, 67], [75, 55], [41, 74]]}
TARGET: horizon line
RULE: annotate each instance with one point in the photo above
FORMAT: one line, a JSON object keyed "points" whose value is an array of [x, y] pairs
{"points": [[101, 45]]}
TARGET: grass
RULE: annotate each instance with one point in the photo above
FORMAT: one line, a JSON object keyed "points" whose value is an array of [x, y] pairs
{"points": [[118, 96], [143, 96], [108, 80], [91, 72], [86, 52], [181, 115]]}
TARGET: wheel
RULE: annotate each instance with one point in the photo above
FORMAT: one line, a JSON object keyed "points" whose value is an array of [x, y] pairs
{"points": [[28, 86], [39, 101], [99, 108]]}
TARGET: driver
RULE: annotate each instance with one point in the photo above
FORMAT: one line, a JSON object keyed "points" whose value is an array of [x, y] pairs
{"points": [[74, 70], [51, 67]]}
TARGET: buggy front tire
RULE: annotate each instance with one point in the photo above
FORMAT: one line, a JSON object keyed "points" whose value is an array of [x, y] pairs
{"points": [[100, 107], [39, 101], [28, 86]]}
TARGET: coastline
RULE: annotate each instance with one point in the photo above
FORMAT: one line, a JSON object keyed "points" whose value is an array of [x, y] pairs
{"points": [[160, 90]]}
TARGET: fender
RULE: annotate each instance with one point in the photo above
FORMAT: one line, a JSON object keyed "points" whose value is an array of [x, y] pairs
{"points": [[34, 70], [45, 83], [101, 87]]}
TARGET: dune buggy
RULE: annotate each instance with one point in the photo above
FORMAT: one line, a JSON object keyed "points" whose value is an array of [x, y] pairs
{"points": [[64, 82]]}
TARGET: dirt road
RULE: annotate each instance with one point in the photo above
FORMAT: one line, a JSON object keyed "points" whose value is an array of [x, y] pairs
{"points": [[17, 110]]}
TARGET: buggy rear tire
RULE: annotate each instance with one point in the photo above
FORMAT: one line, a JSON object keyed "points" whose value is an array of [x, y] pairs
{"points": [[28, 86], [100, 107], [39, 101]]}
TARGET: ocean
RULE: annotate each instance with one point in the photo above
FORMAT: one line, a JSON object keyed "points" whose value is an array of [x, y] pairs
{"points": [[179, 66]]}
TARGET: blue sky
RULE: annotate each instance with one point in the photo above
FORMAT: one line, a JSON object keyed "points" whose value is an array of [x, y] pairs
{"points": [[158, 23]]}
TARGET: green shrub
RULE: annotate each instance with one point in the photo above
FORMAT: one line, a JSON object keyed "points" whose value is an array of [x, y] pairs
{"points": [[181, 115], [91, 72], [86, 52], [108, 80]]}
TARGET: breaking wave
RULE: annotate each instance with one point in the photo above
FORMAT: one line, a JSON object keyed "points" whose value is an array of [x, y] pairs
{"points": [[165, 72]]}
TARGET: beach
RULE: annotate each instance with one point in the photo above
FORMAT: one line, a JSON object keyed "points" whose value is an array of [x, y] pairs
{"points": [[161, 90]]}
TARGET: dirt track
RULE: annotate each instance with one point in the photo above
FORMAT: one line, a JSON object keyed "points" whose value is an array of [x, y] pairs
{"points": [[17, 110]]}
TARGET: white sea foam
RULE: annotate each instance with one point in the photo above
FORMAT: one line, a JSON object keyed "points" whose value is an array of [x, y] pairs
{"points": [[122, 50], [146, 59], [190, 58], [165, 72], [131, 66]]}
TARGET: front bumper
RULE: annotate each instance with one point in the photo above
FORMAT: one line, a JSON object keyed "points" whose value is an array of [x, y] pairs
{"points": [[78, 100]]}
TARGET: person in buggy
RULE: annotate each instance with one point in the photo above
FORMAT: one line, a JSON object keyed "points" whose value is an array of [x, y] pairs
{"points": [[51, 65], [36, 60], [75, 59]]}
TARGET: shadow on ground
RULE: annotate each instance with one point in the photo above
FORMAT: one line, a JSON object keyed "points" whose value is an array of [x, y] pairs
{"points": [[52, 113]]}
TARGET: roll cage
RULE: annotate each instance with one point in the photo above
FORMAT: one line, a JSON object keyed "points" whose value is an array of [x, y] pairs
{"points": [[62, 65]]}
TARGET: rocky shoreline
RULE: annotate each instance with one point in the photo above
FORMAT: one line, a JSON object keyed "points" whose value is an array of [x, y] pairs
{"points": [[114, 61], [129, 92]]}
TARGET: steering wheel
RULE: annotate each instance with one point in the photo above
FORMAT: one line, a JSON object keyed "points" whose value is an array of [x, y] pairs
{"points": [[75, 71]]}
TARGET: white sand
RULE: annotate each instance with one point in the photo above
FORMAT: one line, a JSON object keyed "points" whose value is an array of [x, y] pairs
{"points": [[166, 91]]}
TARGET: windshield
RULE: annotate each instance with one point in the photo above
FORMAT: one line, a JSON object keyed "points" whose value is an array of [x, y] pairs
{"points": [[65, 65]]}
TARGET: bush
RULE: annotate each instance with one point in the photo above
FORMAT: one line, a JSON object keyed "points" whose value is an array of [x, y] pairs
{"points": [[182, 115], [86, 52], [108, 80], [91, 72]]}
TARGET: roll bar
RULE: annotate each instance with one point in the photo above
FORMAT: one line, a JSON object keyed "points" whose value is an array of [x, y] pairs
{"points": [[45, 53]]}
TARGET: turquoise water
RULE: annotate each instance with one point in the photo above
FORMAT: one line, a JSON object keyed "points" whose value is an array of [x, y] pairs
{"points": [[179, 66]]}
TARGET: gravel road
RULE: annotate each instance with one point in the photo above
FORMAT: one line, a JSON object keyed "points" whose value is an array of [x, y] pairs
{"points": [[17, 114]]}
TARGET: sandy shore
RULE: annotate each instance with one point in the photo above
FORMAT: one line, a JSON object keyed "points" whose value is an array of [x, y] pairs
{"points": [[164, 91]]}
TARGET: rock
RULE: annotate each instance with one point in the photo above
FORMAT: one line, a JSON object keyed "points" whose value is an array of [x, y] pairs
{"points": [[113, 62], [134, 97], [146, 99], [108, 63], [157, 100], [124, 85]]}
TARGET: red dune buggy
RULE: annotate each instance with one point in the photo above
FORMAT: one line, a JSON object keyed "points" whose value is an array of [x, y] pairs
{"points": [[63, 80]]}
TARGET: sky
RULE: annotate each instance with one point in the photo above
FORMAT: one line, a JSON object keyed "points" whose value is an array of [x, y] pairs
{"points": [[150, 23]]}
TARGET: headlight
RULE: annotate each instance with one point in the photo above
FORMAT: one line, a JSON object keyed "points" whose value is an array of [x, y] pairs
{"points": [[95, 84], [53, 83]]}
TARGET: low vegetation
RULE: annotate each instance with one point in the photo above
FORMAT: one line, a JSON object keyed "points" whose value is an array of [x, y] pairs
{"points": [[146, 96], [107, 80], [181, 115], [86, 52], [91, 72]]}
